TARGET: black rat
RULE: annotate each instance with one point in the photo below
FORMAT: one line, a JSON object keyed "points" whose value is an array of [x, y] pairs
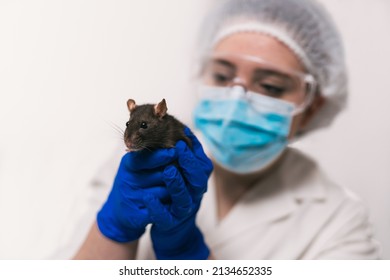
{"points": [[150, 127]]}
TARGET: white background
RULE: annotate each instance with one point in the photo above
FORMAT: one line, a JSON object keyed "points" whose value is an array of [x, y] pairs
{"points": [[68, 67]]}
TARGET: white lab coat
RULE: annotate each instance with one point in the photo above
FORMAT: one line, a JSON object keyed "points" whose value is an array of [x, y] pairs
{"points": [[296, 213]]}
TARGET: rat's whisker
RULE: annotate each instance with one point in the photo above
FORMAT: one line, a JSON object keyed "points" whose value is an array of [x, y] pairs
{"points": [[145, 147], [157, 143], [118, 135], [115, 127], [118, 130]]}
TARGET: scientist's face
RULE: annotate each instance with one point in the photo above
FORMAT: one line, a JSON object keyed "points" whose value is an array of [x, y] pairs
{"points": [[273, 52]]}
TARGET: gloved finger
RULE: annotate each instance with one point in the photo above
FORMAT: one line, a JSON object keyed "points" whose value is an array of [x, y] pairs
{"points": [[158, 213], [196, 146], [145, 179], [145, 159], [181, 199], [136, 197], [198, 151], [192, 169], [131, 208], [137, 219], [161, 193]]}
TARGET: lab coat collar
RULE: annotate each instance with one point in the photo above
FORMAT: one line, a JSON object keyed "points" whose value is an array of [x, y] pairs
{"points": [[272, 199], [260, 205], [302, 176]]}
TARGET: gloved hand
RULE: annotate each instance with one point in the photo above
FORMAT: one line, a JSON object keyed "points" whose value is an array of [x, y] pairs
{"points": [[124, 216], [174, 232]]}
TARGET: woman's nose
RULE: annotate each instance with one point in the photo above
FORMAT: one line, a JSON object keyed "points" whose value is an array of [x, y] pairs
{"points": [[240, 81]]}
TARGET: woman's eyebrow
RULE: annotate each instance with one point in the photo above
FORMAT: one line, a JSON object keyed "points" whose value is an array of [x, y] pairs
{"points": [[272, 73], [224, 63]]}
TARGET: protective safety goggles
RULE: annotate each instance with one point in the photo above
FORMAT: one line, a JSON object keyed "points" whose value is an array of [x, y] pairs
{"points": [[257, 75]]}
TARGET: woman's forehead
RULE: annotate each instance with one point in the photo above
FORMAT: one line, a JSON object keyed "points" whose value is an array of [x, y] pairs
{"points": [[260, 45]]}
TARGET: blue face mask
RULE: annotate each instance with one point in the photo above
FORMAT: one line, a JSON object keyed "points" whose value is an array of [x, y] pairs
{"points": [[244, 131]]}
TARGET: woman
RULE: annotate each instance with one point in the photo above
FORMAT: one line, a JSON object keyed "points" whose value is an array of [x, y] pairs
{"points": [[270, 71]]}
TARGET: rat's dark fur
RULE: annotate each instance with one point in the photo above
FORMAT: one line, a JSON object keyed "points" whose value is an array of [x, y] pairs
{"points": [[151, 129]]}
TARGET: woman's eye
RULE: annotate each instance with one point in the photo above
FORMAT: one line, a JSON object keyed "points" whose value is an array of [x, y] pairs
{"points": [[143, 125], [220, 78], [274, 91], [127, 124]]}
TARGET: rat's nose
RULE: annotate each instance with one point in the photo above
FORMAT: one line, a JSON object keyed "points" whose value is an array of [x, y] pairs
{"points": [[128, 143]]}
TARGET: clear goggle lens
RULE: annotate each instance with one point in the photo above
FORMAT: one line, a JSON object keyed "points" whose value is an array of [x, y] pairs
{"points": [[259, 76]]}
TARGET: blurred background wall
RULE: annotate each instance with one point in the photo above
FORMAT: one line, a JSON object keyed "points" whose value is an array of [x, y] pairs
{"points": [[68, 67]]}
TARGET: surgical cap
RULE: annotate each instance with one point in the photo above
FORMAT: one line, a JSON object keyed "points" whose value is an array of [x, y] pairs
{"points": [[302, 25]]}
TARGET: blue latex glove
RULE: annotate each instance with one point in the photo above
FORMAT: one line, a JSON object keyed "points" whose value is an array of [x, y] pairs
{"points": [[124, 216], [174, 232]]}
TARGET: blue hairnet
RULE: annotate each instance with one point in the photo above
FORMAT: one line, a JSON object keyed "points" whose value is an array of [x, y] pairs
{"points": [[304, 26]]}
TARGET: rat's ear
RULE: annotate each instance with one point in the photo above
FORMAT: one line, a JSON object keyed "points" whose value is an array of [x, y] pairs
{"points": [[131, 105], [160, 109]]}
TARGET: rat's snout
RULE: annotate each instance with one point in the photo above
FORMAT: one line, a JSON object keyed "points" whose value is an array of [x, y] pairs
{"points": [[128, 143], [127, 139]]}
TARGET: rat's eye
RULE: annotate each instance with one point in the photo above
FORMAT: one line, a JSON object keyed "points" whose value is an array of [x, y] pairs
{"points": [[144, 125], [127, 124]]}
